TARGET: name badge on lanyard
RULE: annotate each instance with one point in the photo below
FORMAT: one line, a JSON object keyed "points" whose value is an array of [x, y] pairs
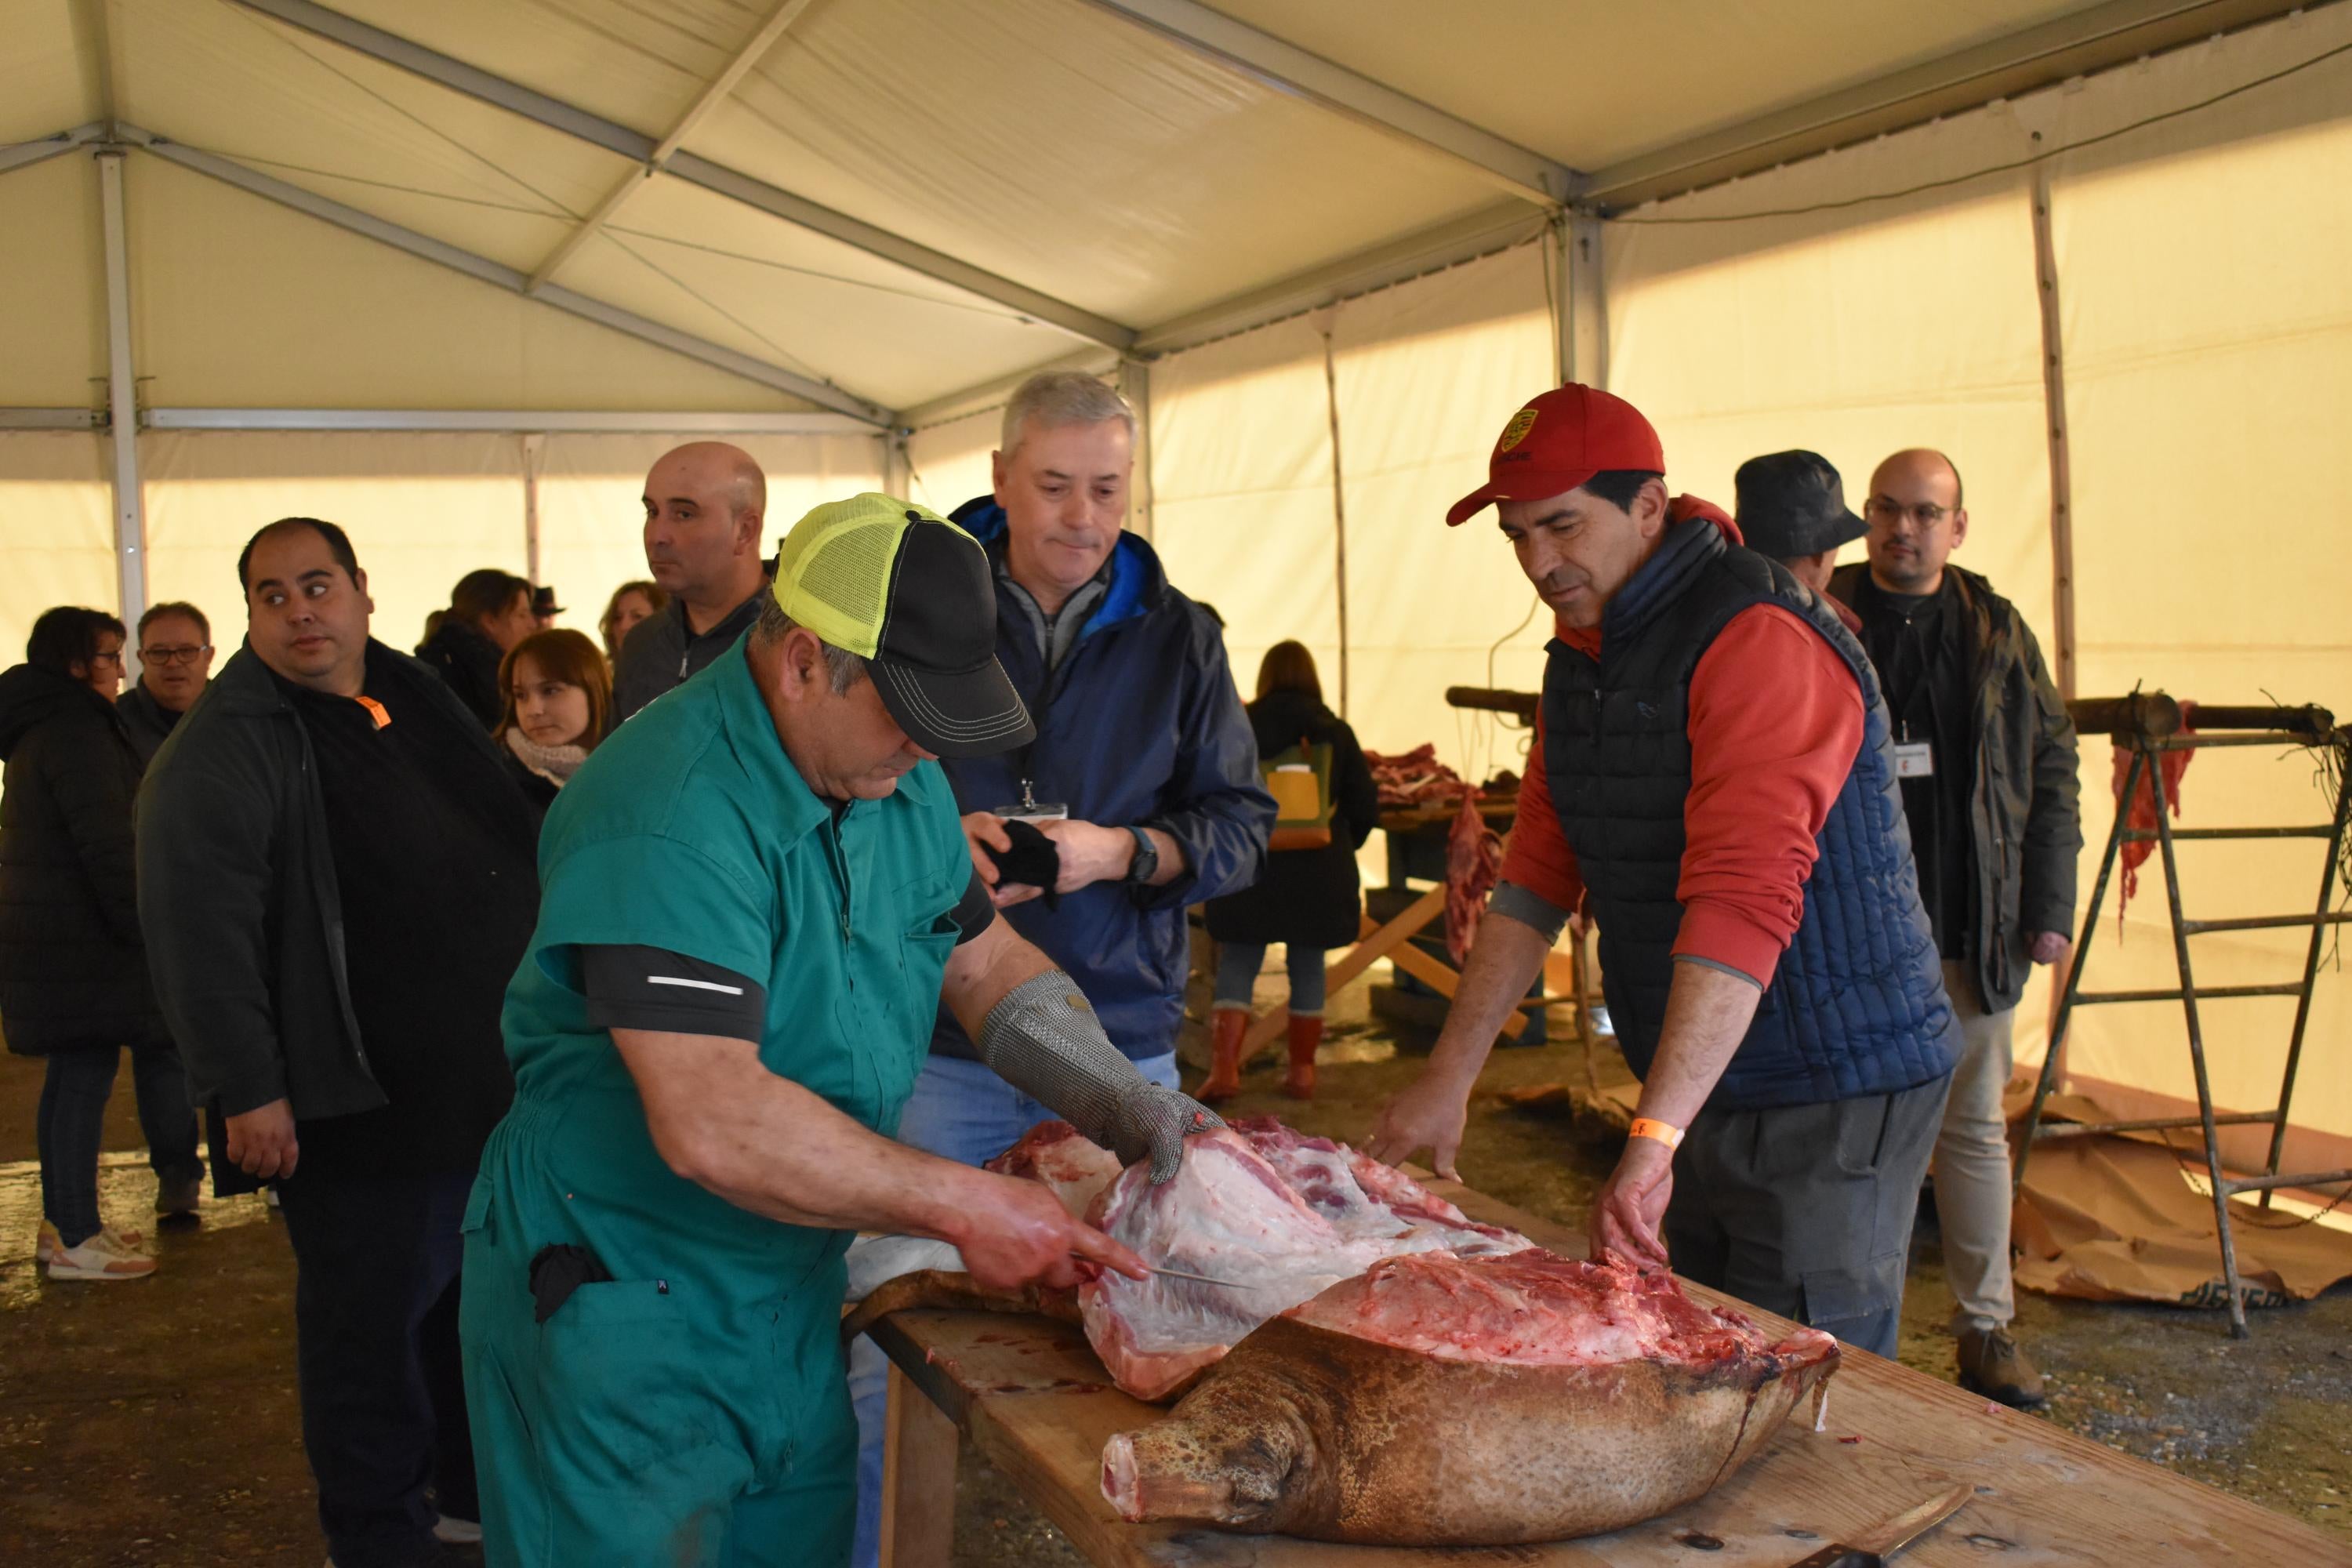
{"points": [[1914, 759]]}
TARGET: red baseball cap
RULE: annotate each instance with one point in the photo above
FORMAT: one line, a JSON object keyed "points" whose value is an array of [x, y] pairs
{"points": [[1557, 442]]}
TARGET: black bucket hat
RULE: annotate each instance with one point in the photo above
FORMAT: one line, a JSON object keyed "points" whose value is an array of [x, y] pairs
{"points": [[1793, 504]]}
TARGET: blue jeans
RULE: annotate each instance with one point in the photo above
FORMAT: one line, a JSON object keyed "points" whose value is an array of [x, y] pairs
{"points": [[71, 1123], [961, 1112], [1239, 961]]}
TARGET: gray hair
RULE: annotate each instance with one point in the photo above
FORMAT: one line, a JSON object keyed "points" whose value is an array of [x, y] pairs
{"points": [[845, 668], [1058, 397]]}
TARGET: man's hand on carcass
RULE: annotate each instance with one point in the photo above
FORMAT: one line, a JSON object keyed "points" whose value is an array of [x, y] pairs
{"points": [[2049, 946], [1151, 1122], [1017, 1233], [1427, 1114], [1632, 1204], [984, 830]]}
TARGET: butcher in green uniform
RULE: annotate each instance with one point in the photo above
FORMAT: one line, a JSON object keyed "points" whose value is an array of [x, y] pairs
{"points": [[754, 897]]}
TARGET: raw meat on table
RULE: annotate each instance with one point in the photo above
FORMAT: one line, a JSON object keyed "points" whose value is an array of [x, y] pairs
{"points": [[1473, 858], [1277, 1214], [1439, 1400]]}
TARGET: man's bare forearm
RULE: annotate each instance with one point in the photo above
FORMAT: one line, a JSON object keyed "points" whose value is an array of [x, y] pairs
{"points": [[769, 1146], [1707, 1014], [1504, 962], [982, 972]]}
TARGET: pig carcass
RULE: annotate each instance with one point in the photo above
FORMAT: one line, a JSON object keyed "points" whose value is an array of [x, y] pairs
{"points": [[1442, 1400], [1275, 1214]]}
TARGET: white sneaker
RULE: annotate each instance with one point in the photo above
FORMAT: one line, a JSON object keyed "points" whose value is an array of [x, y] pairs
{"points": [[48, 1243], [457, 1531], [105, 1256]]}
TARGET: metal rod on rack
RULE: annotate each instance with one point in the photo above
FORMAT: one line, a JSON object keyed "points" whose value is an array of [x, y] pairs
{"points": [[2311, 956], [2075, 970], [2238, 1328]]}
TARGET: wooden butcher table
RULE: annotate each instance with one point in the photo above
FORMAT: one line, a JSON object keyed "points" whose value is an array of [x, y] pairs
{"points": [[1039, 1406]]}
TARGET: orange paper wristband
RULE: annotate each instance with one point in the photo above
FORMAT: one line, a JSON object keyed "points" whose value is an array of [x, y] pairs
{"points": [[1664, 1131]]}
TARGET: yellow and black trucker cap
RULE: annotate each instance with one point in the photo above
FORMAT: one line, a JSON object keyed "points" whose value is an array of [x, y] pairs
{"points": [[910, 592]]}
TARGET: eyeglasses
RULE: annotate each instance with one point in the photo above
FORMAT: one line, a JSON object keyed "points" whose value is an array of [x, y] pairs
{"points": [[1926, 514], [114, 658], [186, 653]]}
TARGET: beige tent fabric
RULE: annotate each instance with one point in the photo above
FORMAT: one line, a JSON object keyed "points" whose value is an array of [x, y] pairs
{"points": [[422, 510], [2208, 371], [1427, 374], [56, 518], [1241, 465], [55, 272], [949, 460]]}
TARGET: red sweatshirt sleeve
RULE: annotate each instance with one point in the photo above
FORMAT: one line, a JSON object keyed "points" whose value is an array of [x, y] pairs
{"points": [[1775, 725], [1538, 856]]}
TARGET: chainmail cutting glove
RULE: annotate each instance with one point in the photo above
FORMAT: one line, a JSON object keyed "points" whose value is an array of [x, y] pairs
{"points": [[1044, 1040]]}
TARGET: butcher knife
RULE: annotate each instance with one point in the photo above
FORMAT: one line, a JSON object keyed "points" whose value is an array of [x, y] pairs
{"points": [[1889, 1540], [1089, 1269]]}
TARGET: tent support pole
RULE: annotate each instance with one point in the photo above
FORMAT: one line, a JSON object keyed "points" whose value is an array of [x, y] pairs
{"points": [[1338, 506], [2053, 421], [122, 395], [1583, 326], [533, 446], [1135, 385], [898, 472]]}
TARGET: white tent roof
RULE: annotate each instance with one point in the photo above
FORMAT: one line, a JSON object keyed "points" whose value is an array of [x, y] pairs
{"points": [[872, 206]]}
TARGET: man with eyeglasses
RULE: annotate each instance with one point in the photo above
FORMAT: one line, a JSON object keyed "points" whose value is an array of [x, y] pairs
{"points": [[1986, 755], [175, 661]]}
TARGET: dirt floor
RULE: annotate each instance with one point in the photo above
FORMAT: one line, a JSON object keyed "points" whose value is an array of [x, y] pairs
{"points": [[156, 1422]]}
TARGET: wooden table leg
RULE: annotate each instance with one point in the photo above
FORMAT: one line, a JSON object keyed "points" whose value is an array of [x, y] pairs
{"points": [[1377, 942], [919, 1476]]}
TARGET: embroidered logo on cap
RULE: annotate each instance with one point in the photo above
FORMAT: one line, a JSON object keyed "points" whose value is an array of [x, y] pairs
{"points": [[1517, 430]]}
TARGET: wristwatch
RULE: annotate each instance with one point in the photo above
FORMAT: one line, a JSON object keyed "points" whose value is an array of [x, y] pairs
{"points": [[1147, 858]]}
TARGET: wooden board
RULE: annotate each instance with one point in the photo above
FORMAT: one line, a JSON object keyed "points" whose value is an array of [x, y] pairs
{"points": [[1039, 1406]]}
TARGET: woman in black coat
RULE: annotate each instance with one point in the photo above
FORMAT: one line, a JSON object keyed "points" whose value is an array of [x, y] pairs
{"points": [[489, 612], [73, 969], [1308, 898]]}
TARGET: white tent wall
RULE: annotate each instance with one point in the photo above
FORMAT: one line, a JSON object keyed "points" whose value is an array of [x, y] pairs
{"points": [[1241, 467], [2208, 346], [948, 461], [51, 255], [592, 516], [56, 512], [421, 510]]}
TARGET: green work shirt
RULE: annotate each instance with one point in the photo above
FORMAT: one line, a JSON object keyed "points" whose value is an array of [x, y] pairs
{"points": [[690, 830]]}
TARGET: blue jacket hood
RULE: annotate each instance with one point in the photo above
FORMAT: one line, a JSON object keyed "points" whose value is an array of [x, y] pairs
{"points": [[1138, 581]]}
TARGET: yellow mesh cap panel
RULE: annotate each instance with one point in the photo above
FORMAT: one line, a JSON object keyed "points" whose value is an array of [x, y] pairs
{"points": [[833, 574]]}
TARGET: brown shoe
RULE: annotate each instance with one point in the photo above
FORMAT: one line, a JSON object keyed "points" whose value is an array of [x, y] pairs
{"points": [[1306, 1037], [1226, 1027], [1992, 1364]]}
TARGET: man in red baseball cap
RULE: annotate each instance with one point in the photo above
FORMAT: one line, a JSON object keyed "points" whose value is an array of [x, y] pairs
{"points": [[1712, 783]]}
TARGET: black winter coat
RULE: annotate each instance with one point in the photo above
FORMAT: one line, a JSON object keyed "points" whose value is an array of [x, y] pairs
{"points": [[2024, 811], [73, 971], [467, 662], [1306, 897]]}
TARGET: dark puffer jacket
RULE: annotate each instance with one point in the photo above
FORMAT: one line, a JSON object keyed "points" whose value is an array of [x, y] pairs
{"points": [[1308, 897], [73, 971], [467, 662]]}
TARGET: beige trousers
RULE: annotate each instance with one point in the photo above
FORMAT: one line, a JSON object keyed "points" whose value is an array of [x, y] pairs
{"points": [[1971, 1166]]}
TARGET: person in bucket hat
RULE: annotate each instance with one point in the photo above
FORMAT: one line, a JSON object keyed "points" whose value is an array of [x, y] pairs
{"points": [[755, 895]]}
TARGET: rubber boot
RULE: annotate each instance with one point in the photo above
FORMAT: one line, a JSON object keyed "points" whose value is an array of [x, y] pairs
{"points": [[1306, 1037], [1227, 1025]]}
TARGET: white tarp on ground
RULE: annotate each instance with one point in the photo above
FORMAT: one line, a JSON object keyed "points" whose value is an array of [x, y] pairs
{"points": [[2205, 325]]}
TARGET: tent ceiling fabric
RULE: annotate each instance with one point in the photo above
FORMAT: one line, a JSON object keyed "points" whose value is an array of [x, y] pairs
{"points": [[1591, 82]]}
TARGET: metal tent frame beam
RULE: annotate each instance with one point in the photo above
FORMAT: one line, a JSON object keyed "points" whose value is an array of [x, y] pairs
{"points": [[507, 421], [2095, 39], [394, 50], [25, 154], [714, 93], [1291, 70], [499, 275], [122, 394]]}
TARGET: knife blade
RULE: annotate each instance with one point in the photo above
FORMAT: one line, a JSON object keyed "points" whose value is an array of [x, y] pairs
{"points": [[1197, 1278], [1876, 1548]]}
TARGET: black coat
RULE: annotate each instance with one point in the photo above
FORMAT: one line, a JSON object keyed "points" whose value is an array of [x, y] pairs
{"points": [[467, 662], [2024, 812], [1306, 897], [73, 971]]}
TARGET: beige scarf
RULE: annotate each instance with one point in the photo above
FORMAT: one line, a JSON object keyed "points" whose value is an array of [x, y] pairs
{"points": [[556, 765]]}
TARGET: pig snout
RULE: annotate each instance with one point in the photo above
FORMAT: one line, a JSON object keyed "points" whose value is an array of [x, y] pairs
{"points": [[1175, 1470]]}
